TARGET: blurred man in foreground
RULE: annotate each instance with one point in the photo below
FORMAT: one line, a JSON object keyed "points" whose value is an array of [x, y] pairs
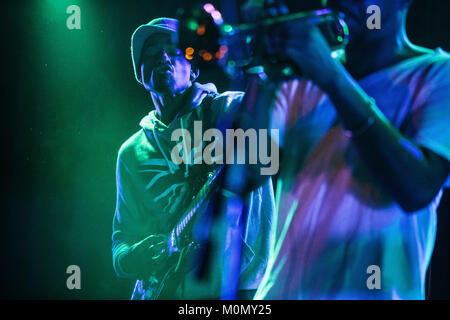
{"points": [[366, 155]]}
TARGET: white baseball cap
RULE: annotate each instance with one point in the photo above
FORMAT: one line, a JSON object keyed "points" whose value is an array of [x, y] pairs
{"points": [[158, 25]]}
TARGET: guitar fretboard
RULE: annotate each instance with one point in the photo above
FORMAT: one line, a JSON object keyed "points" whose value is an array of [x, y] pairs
{"points": [[199, 199]]}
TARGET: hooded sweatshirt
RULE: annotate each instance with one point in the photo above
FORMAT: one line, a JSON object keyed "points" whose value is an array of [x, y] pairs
{"points": [[153, 191]]}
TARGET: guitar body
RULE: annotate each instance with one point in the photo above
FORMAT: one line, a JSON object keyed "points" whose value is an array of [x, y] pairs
{"points": [[163, 283], [178, 266]]}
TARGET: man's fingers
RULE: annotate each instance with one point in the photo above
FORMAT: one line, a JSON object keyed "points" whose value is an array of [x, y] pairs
{"points": [[154, 257], [154, 238]]}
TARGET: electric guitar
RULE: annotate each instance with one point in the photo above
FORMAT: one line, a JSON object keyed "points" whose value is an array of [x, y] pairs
{"points": [[164, 280]]}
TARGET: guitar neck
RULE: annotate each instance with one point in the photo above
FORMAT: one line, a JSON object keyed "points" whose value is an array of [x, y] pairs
{"points": [[199, 199]]}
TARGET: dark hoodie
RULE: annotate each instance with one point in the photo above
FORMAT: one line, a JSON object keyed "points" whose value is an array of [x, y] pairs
{"points": [[153, 191]]}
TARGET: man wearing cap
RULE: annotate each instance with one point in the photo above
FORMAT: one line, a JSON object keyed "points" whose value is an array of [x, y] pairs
{"points": [[153, 192]]}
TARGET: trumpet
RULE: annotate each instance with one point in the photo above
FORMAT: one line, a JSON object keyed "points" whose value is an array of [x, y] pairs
{"points": [[207, 39], [246, 51]]}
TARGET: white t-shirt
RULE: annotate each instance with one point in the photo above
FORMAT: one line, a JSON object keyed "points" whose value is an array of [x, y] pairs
{"points": [[337, 230]]}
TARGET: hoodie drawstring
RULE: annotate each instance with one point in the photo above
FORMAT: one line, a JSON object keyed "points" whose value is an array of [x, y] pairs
{"points": [[186, 172], [162, 151]]}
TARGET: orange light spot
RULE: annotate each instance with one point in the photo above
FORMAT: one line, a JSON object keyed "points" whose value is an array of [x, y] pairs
{"points": [[201, 30], [189, 50], [207, 56]]}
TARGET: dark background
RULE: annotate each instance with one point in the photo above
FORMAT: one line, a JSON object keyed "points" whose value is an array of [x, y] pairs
{"points": [[71, 101]]}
